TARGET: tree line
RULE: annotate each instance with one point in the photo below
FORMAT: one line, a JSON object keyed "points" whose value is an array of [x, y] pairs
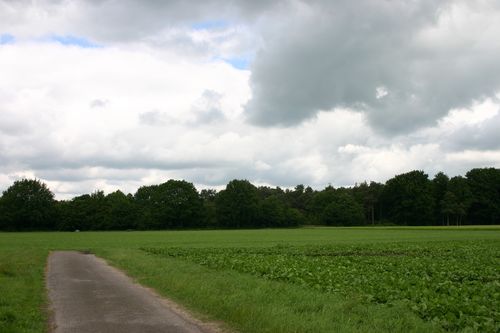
{"points": [[406, 199]]}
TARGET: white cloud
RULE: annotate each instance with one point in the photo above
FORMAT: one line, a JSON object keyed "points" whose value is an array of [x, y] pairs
{"points": [[160, 99], [381, 92], [48, 122], [478, 113]]}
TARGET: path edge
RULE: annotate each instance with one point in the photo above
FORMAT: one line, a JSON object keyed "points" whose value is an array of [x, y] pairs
{"points": [[48, 307], [210, 326], [206, 326]]}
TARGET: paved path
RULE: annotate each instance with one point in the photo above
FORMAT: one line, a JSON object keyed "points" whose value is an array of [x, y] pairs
{"points": [[87, 295]]}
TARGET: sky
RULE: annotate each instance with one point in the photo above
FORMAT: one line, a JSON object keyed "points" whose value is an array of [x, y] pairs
{"points": [[116, 94]]}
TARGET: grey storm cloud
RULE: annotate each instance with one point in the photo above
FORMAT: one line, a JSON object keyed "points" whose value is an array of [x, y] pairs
{"points": [[378, 57], [131, 20], [129, 160], [482, 136]]}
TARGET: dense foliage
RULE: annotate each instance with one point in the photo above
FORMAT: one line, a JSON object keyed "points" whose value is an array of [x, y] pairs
{"points": [[26, 205], [407, 199], [453, 283]]}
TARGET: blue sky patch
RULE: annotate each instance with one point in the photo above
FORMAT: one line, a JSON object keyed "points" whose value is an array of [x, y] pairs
{"points": [[210, 25], [73, 40], [7, 39], [242, 63]]}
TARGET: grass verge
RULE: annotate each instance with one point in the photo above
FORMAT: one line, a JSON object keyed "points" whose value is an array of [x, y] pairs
{"points": [[22, 291], [244, 302], [250, 304]]}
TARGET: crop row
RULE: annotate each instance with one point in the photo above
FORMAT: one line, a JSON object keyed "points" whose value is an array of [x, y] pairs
{"points": [[454, 283]]}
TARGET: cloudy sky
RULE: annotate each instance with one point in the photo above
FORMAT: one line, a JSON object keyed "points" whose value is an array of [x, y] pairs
{"points": [[114, 94]]}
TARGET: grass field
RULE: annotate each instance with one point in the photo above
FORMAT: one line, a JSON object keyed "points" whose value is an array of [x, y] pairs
{"points": [[294, 280]]}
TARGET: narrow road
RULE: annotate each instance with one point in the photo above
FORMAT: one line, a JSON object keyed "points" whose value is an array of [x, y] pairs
{"points": [[87, 295]]}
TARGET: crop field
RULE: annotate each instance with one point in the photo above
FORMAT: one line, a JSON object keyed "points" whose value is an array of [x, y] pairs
{"points": [[291, 280], [455, 284]]}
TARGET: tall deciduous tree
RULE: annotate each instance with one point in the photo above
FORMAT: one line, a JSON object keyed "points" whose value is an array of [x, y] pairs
{"points": [[450, 206], [85, 212], [272, 212], [439, 188], [238, 205], [484, 185], [408, 199], [121, 212], [144, 199], [343, 210], [27, 205], [176, 204], [369, 197], [460, 188], [320, 200], [209, 211]]}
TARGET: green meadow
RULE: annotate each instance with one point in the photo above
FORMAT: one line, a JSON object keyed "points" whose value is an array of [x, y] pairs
{"points": [[289, 280]]}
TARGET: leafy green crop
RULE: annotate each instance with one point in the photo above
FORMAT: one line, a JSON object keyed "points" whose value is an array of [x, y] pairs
{"points": [[456, 283]]}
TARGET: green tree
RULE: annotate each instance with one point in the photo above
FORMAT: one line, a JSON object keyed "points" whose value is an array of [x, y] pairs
{"points": [[238, 205], [439, 188], [450, 206], [27, 205], [343, 210], [176, 204], [266, 192], [68, 216], [273, 212], [208, 198], [408, 199], [298, 197], [369, 197], [460, 188], [96, 208], [84, 212], [121, 212], [484, 185], [294, 217], [144, 200], [319, 201]]}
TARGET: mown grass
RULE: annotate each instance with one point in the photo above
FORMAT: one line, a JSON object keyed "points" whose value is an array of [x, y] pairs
{"points": [[22, 291], [244, 302]]}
